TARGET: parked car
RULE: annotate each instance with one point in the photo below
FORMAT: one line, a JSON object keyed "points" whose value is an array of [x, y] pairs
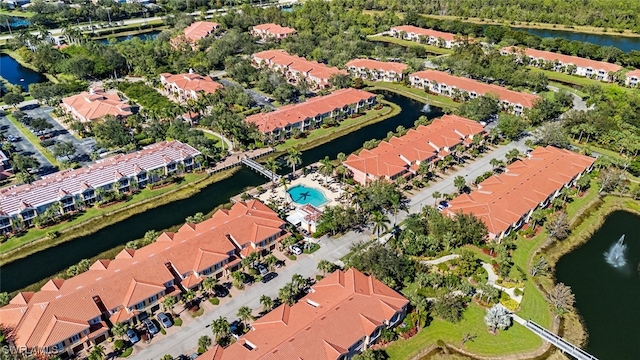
{"points": [[164, 320], [236, 329], [151, 327], [263, 270], [295, 249], [268, 277], [133, 337], [12, 138], [220, 291]]}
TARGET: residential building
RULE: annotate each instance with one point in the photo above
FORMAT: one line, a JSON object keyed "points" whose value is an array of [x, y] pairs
{"points": [[295, 68], [73, 314], [341, 316], [425, 36], [505, 202], [632, 78], [461, 88], [271, 31], [188, 86], [305, 217], [195, 32], [96, 104], [4, 166], [14, 4], [402, 156], [376, 70], [593, 69], [69, 187], [311, 113]]}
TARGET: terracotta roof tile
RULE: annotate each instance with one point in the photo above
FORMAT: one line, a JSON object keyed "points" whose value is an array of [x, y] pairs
{"points": [[565, 59], [424, 32], [193, 82], [274, 29], [313, 69], [93, 105], [377, 65], [199, 30]]}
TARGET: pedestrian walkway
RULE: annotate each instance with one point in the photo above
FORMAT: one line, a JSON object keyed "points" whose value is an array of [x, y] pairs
{"points": [[236, 159]]}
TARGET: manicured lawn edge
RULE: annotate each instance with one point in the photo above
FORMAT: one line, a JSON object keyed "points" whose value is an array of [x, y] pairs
{"points": [[99, 220], [33, 140], [407, 43]]}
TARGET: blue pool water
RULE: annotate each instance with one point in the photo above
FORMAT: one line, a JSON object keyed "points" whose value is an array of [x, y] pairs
{"points": [[303, 195]]}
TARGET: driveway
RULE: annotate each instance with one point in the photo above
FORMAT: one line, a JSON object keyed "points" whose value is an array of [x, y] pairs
{"points": [[25, 147], [83, 146], [258, 98], [185, 341]]}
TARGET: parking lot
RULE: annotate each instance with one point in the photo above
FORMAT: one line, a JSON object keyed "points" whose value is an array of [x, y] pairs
{"points": [[24, 147], [83, 147]]}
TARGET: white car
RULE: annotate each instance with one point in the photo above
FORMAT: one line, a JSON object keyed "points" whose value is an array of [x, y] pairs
{"points": [[295, 249]]}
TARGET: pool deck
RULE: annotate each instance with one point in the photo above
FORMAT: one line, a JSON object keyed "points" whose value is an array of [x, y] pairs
{"points": [[331, 192]]}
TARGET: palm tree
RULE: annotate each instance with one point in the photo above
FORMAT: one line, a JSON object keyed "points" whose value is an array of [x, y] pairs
{"points": [[326, 167], [119, 329], [272, 166], [294, 157], [341, 157], [4, 298], [208, 284], [168, 303], [238, 279], [284, 182], [188, 297], [538, 216], [495, 163], [459, 183], [204, 342], [244, 314], [380, 222], [436, 196], [97, 353], [326, 266], [267, 303], [512, 155], [220, 328], [298, 282], [286, 294]]}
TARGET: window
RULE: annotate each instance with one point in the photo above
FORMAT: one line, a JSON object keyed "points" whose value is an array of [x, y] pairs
{"points": [[75, 338], [139, 305], [395, 318]]}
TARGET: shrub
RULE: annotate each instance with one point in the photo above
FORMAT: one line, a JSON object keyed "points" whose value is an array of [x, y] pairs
{"points": [[510, 304], [197, 313], [177, 321], [319, 277], [127, 352], [214, 301], [293, 257], [119, 345], [518, 292]]}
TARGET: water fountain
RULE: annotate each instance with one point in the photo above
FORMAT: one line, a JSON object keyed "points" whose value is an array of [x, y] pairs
{"points": [[615, 255], [426, 108]]}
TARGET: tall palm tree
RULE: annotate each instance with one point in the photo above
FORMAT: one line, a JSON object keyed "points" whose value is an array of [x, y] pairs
{"points": [[294, 157], [204, 342], [341, 157], [326, 167], [119, 329], [436, 196], [272, 166], [266, 302], [244, 314], [380, 222], [208, 284], [220, 328], [168, 303], [538, 216], [286, 294]]}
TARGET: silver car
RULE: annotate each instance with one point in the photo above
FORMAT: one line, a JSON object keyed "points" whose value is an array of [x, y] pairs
{"points": [[164, 320]]}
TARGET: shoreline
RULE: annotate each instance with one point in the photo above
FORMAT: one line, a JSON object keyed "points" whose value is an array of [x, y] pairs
{"points": [[14, 55]]}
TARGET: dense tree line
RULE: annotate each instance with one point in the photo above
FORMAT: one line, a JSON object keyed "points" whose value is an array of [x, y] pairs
{"points": [[599, 13]]}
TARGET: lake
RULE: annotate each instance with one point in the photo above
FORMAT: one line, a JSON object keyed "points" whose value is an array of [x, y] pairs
{"points": [[623, 43], [40, 265], [607, 298], [144, 36], [17, 74]]}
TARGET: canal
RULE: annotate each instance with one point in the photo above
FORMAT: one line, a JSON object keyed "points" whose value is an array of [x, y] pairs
{"points": [[624, 43], [607, 297], [151, 35], [17, 74], [23, 272]]}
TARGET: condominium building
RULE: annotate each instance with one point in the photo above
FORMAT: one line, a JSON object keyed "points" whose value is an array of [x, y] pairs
{"points": [[506, 201], [425, 36], [375, 70], [443, 83], [195, 32], [272, 31], [598, 70], [342, 315], [95, 104], [632, 78], [312, 113], [295, 68], [188, 86], [68, 316], [118, 173], [402, 156]]}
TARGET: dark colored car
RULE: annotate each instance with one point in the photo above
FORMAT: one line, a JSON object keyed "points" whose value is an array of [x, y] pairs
{"points": [[268, 277], [133, 337], [151, 327]]}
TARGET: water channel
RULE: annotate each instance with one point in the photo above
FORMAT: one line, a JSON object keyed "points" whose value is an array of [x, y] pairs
{"points": [[151, 35], [607, 297], [624, 43], [23, 272], [17, 74]]}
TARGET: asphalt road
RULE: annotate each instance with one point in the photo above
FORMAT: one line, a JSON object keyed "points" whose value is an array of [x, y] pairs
{"points": [[258, 98], [24, 147]]}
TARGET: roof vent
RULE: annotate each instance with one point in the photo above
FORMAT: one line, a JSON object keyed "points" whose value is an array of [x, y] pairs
{"points": [[79, 287]]}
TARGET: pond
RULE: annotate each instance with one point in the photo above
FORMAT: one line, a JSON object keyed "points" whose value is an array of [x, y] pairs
{"points": [[303, 195], [40, 265], [144, 36], [624, 43], [17, 74], [608, 297]]}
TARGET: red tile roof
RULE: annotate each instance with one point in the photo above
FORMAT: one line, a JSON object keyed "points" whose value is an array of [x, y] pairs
{"points": [[62, 308], [565, 59], [192, 82], [502, 200], [199, 30], [274, 29], [635, 73], [47, 190], [394, 157], [299, 64], [295, 113], [480, 88], [95, 104], [377, 65], [340, 310], [424, 32]]}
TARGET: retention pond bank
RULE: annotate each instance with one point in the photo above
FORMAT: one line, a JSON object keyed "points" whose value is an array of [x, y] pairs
{"points": [[607, 297], [23, 272]]}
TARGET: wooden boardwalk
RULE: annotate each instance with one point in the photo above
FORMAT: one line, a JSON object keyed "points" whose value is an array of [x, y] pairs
{"points": [[235, 159]]}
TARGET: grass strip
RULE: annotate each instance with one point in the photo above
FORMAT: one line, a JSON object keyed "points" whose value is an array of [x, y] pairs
{"points": [[33, 140], [407, 43], [413, 93]]}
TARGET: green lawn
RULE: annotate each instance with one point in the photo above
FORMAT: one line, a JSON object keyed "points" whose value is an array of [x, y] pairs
{"points": [[576, 80], [414, 93], [17, 13], [567, 88], [348, 125], [33, 140], [517, 339], [94, 212], [407, 43]]}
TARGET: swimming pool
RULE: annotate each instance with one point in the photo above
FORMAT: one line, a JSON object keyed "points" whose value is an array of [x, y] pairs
{"points": [[303, 195]]}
